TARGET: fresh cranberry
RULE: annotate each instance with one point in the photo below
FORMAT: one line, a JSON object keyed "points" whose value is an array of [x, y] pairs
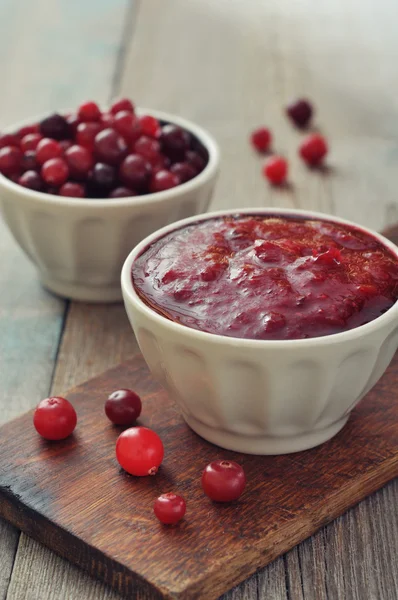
{"points": [[121, 104], [47, 149], [124, 123], [80, 161], [147, 147], [10, 160], [27, 130], [184, 171], [103, 176], [139, 451], [162, 162], [73, 122], [170, 508], [300, 112], [85, 134], [122, 192], [31, 180], [196, 160], [55, 418], [261, 139], [72, 190], [223, 481], [29, 162], [107, 119], [175, 141], [30, 141], [55, 171], [135, 172], [55, 126], [65, 145], [123, 407], [163, 180], [110, 147], [149, 126], [275, 170], [89, 111], [8, 140], [313, 149]]}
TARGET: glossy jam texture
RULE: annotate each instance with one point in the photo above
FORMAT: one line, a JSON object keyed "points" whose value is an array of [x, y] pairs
{"points": [[268, 278]]}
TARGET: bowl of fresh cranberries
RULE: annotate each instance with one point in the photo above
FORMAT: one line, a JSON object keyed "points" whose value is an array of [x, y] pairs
{"points": [[266, 326], [78, 189]]}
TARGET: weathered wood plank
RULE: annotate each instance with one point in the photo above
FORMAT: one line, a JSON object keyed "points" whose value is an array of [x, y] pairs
{"points": [[58, 53]]}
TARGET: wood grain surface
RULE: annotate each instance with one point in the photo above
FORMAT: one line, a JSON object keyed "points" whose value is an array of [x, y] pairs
{"points": [[229, 64], [73, 497]]}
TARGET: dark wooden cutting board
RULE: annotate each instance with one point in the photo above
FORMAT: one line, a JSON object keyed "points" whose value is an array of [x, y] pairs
{"points": [[72, 496]]}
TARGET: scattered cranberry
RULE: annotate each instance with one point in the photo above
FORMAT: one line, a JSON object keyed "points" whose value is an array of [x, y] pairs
{"points": [[10, 160], [110, 147], [223, 481], [80, 161], [261, 139], [29, 162], [55, 418], [275, 170], [55, 126], [300, 112], [148, 147], [72, 190], [31, 180], [30, 141], [313, 149], [123, 407], [85, 134], [184, 171], [149, 126], [89, 111], [122, 192], [55, 171], [163, 180], [8, 140], [139, 451], [194, 159], [175, 141], [135, 172], [47, 149], [122, 104], [124, 122], [170, 508]]}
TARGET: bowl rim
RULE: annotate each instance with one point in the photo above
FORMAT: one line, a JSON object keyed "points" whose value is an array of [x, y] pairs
{"points": [[207, 140], [130, 295]]}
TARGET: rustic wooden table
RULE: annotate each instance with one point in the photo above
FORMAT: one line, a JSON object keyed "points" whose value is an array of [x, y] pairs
{"points": [[230, 65]]}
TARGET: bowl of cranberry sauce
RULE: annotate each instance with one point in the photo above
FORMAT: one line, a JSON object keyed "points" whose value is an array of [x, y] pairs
{"points": [[266, 327], [77, 189]]}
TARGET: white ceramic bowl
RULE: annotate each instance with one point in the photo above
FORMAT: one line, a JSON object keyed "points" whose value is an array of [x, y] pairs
{"points": [[79, 245], [256, 396]]}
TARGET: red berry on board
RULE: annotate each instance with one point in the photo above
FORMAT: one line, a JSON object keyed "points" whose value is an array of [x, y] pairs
{"points": [[10, 160], [123, 407], [313, 149], [170, 508], [55, 418], [163, 180], [139, 451], [300, 112], [89, 111], [121, 104], [31, 180], [72, 190], [149, 125], [223, 480], [275, 170], [47, 149], [261, 139], [55, 171]]}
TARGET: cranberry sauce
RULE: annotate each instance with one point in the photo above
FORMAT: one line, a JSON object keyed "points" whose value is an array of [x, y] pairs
{"points": [[268, 278]]}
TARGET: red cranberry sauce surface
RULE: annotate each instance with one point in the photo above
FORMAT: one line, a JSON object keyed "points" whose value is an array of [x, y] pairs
{"points": [[268, 278]]}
